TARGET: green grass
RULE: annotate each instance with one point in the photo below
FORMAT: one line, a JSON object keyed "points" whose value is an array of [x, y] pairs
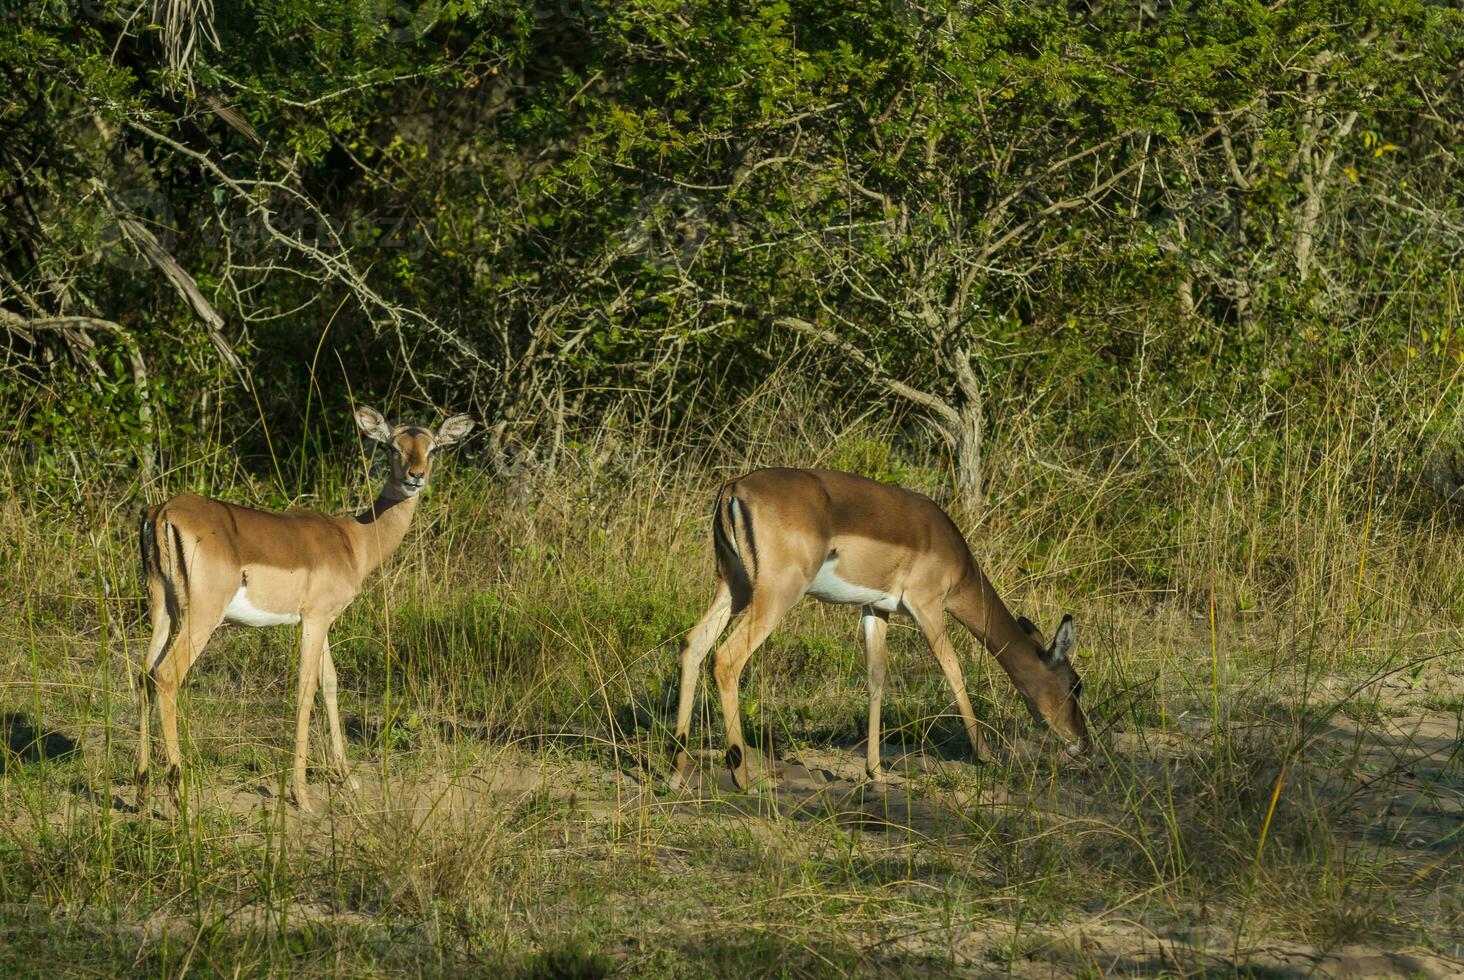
{"points": [[1271, 658]]}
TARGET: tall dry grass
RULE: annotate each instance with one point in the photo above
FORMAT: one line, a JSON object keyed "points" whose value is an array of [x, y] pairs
{"points": [[1256, 599]]}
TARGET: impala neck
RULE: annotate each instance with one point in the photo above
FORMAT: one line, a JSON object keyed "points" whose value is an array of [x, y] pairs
{"points": [[380, 528], [977, 606]]}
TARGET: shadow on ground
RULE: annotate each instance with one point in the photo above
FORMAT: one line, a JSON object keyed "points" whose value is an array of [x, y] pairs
{"points": [[27, 743]]}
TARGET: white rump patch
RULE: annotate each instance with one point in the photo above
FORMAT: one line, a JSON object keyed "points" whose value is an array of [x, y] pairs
{"points": [[245, 613], [828, 587]]}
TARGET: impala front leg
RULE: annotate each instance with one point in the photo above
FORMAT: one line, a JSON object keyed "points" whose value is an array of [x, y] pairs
{"points": [[931, 620], [312, 649], [875, 625]]}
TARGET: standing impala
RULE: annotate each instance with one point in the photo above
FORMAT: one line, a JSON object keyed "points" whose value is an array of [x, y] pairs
{"points": [[781, 534], [209, 562]]}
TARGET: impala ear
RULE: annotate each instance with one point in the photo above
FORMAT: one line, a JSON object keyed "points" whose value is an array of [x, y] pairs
{"points": [[1062, 643], [455, 429], [1028, 627], [373, 424]]}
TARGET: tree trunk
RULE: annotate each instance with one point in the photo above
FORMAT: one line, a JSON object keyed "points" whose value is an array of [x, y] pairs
{"points": [[970, 431], [968, 454]]}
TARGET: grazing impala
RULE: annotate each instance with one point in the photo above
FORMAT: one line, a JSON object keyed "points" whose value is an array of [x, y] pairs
{"points": [[207, 562], [781, 534]]}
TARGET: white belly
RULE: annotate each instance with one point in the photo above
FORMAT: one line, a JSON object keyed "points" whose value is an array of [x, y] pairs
{"points": [[244, 612], [828, 587]]}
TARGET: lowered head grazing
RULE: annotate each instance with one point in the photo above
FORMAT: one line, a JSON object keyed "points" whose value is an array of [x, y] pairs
{"points": [[412, 448], [781, 534], [1056, 704]]}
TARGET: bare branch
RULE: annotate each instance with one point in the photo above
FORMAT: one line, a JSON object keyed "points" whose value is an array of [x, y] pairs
{"points": [[151, 249], [924, 399], [336, 263]]}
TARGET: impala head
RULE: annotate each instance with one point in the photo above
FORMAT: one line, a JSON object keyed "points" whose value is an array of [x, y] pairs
{"points": [[1057, 702], [412, 448]]}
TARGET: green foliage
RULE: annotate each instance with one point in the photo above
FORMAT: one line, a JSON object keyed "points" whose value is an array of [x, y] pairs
{"points": [[541, 205]]}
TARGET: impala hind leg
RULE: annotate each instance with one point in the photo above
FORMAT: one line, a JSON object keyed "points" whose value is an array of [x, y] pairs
{"points": [[874, 626], [770, 603], [167, 675], [162, 634], [698, 644], [932, 626]]}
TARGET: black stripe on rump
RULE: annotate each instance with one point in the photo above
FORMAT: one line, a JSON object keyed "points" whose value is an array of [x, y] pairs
{"points": [[178, 556], [729, 563], [146, 542], [747, 532]]}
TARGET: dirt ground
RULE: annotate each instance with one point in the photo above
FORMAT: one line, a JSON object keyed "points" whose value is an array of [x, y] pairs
{"points": [[1394, 782]]}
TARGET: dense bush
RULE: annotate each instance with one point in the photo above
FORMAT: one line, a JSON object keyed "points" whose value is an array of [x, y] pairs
{"points": [[1100, 217]]}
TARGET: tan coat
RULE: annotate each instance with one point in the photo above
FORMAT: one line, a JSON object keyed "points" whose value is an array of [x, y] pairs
{"points": [[781, 534]]}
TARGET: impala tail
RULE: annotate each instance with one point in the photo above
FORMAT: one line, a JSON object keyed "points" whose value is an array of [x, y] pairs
{"points": [[735, 545], [162, 558]]}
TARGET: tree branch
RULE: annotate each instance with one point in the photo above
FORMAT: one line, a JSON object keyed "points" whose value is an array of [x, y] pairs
{"points": [[924, 399]]}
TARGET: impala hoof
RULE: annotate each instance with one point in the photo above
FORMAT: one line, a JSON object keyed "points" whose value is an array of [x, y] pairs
{"points": [[681, 774], [737, 763], [347, 779], [175, 787], [741, 779], [300, 796]]}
